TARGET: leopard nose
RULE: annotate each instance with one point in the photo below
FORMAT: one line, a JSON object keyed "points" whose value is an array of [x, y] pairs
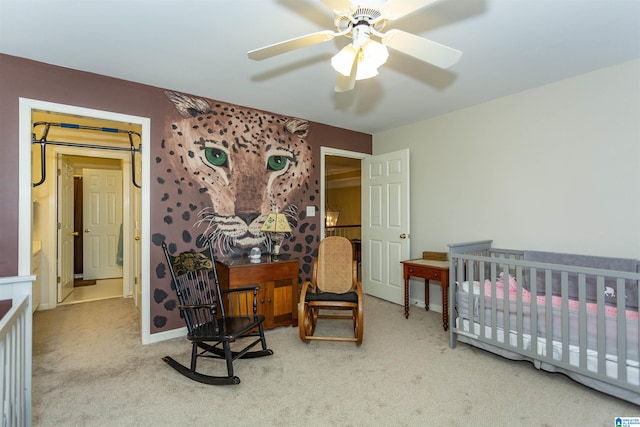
{"points": [[248, 217]]}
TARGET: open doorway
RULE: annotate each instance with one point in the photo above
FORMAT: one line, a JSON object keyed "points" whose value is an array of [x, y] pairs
{"points": [[74, 152], [135, 223], [97, 229], [341, 206]]}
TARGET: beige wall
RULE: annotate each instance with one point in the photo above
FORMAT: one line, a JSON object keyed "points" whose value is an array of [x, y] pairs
{"points": [[555, 168]]}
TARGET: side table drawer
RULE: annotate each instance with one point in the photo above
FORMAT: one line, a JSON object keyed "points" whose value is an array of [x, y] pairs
{"points": [[425, 272]]}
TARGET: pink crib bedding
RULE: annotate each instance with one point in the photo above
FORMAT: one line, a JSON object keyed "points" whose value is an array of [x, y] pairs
{"points": [[556, 301]]}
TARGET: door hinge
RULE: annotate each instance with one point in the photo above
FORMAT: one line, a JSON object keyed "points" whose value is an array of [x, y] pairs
{"points": [[59, 171], [59, 226], [58, 279]]}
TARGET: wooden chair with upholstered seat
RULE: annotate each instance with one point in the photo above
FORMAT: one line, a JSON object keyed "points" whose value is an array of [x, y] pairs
{"points": [[220, 324], [333, 289]]}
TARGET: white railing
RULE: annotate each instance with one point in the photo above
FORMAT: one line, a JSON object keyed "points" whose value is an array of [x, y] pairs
{"points": [[15, 352], [351, 232]]}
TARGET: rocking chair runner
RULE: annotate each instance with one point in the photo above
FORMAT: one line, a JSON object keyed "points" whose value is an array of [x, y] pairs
{"points": [[334, 288], [215, 319]]}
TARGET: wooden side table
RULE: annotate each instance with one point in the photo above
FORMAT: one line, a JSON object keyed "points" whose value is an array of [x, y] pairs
{"points": [[278, 280], [428, 270]]}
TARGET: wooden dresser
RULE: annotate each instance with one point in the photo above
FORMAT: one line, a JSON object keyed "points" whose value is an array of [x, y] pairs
{"points": [[278, 280]]}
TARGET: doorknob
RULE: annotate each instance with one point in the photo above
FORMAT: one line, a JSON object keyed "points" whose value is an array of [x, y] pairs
{"points": [[75, 233], [86, 230], [404, 235], [137, 237]]}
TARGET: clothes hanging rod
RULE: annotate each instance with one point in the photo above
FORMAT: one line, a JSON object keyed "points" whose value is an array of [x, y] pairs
{"points": [[43, 144]]}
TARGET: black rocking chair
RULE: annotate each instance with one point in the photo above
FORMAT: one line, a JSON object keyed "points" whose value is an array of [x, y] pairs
{"points": [[215, 319]]}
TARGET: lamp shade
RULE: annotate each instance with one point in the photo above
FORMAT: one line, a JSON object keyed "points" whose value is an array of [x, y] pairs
{"points": [[276, 223], [370, 55]]}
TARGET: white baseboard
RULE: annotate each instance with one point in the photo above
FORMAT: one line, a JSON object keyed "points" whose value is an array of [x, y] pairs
{"points": [[167, 335]]}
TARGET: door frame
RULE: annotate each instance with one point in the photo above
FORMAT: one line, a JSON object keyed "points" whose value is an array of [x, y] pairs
{"points": [[325, 151], [26, 106]]}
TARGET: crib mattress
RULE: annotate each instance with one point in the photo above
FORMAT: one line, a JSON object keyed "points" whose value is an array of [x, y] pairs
{"points": [[555, 335]]}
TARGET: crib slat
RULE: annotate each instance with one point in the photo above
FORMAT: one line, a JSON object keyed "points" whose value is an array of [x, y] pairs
{"points": [[519, 310], [621, 330], [564, 291], [548, 313], [471, 277], [534, 311], [506, 318], [494, 305], [481, 273], [582, 320], [637, 284], [602, 362]]}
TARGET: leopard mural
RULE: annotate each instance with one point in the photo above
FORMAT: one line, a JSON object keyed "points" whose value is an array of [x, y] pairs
{"points": [[223, 169]]}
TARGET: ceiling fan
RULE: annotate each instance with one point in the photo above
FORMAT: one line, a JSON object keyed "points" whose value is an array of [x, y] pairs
{"points": [[361, 58]]}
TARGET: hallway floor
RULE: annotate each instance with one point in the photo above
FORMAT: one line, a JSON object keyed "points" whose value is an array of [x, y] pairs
{"points": [[103, 289]]}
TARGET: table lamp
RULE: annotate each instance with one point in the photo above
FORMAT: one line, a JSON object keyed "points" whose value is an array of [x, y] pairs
{"points": [[276, 224]]}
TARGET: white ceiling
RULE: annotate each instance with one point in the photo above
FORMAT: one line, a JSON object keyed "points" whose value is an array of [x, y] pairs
{"points": [[200, 47]]}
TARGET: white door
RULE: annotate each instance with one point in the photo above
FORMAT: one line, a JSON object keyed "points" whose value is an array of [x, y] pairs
{"points": [[102, 223], [65, 228], [385, 224]]}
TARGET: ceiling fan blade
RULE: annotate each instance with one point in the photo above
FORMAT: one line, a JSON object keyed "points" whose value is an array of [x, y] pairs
{"points": [[395, 9], [425, 50], [289, 45], [347, 83]]}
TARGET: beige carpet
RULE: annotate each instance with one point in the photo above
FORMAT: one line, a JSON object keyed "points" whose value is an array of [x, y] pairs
{"points": [[89, 369]]}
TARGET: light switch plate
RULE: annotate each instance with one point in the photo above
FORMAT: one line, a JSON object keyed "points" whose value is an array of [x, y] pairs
{"points": [[311, 211]]}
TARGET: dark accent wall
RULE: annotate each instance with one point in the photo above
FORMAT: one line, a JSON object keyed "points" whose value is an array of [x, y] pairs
{"points": [[29, 79]]}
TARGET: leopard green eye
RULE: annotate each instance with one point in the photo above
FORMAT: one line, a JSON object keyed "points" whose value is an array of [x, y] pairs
{"points": [[216, 156], [277, 163]]}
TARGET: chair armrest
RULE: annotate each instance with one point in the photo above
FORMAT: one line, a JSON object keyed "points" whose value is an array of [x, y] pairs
{"points": [[195, 306], [354, 273], [307, 286], [359, 291]]}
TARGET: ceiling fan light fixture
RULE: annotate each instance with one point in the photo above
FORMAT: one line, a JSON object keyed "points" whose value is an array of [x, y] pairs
{"points": [[343, 60], [371, 55]]}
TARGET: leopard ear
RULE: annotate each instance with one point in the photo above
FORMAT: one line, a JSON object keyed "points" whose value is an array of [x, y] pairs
{"points": [[298, 127], [188, 106]]}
